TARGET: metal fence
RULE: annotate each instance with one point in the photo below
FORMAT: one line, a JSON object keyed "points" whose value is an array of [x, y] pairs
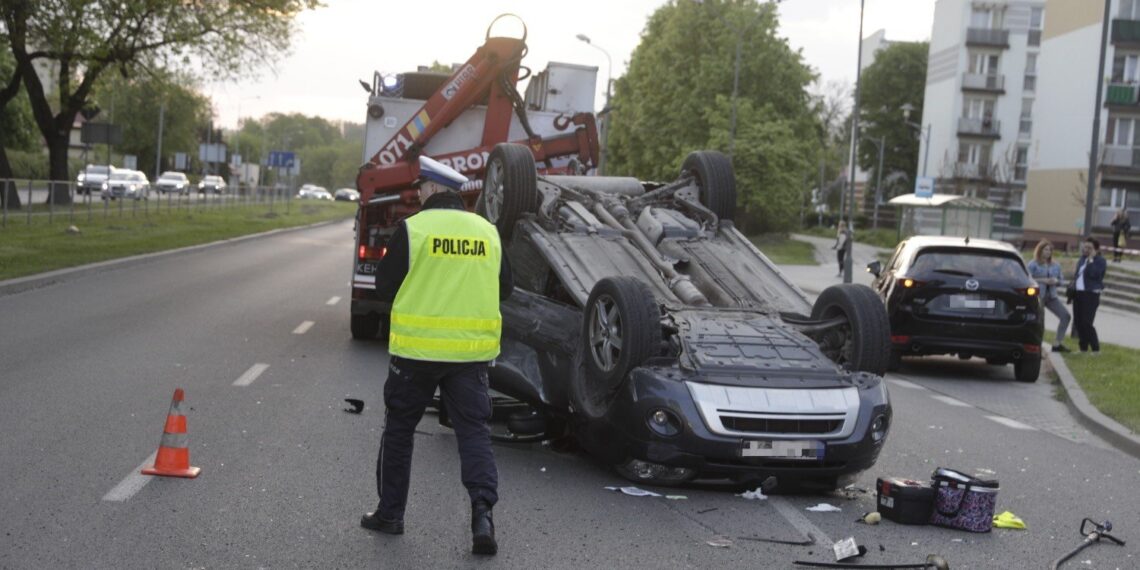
{"points": [[36, 205]]}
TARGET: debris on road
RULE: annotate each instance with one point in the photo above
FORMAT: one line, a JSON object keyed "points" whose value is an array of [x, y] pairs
{"points": [[1008, 520], [847, 549], [357, 405], [1099, 531], [633, 491], [932, 562], [758, 494], [719, 542], [809, 542], [871, 518], [676, 497], [824, 508], [703, 511]]}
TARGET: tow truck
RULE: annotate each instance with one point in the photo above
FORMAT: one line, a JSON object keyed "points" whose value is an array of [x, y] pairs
{"points": [[460, 119]]}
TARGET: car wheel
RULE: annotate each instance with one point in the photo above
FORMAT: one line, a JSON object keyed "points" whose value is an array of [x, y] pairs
{"points": [[621, 328], [1028, 368], [365, 327], [716, 180], [510, 187], [863, 343]]}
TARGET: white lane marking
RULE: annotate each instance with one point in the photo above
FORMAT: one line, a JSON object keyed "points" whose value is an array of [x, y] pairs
{"points": [[1011, 423], [303, 327], [333, 301], [132, 483], [799, 521], [906, 384], [951, 401], [251, 374]]}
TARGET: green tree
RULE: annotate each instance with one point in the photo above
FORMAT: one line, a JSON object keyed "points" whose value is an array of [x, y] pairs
{"points": [[677, 97], [87, 38], [16, 126], [897, 77]]}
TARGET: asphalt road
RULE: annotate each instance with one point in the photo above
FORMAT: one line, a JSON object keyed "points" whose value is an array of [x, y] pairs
{"points": [[89, 365]]}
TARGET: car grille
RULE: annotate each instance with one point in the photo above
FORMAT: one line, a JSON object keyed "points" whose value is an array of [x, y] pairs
{"points": [[776, 425]]}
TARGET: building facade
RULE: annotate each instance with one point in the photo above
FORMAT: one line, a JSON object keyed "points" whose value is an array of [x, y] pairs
{"points": [[978, 122]]}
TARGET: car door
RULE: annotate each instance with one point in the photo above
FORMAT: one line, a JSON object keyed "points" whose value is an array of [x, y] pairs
{"points": [[881, 284]]}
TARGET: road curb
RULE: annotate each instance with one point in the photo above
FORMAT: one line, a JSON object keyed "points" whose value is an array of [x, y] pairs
{"points": [[1087, 414], [40, 280]]}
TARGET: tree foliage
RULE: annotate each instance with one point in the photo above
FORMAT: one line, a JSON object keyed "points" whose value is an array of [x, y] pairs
{"points": [[330, 154], [897, 77], [84, 39], [677, 97]]}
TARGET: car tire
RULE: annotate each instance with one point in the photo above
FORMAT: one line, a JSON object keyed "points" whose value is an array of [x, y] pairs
{"points": [[868, 332], [1028, 368], [716, 180], [622, 309], [365, 327], [510, 188]]}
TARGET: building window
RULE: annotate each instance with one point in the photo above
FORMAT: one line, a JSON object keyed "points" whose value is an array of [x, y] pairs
{"points": [[1030, 72], [973, 159], [978, 108], [1120, 131], [987, 18], [983, 63], [1021, 163], [1036, 20], [1026, 117], [1129, 10], [1126, 68]]}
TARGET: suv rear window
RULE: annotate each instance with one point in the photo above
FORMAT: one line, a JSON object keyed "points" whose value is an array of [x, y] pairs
{"points": [[933, 263]]}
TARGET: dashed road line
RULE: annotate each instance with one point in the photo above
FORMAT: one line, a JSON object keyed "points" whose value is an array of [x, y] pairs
{"points": [[333, 301], [251, 374], [951, 401], [1011, 423], [303, 327], [132, 483], [906, 384]]}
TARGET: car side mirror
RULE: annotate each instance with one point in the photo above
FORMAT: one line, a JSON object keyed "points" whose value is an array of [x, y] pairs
{"points": [[875, 268]]}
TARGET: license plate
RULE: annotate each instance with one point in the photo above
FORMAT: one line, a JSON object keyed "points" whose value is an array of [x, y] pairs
{"points": [[971, 302], [801, 450], [366, 268]]}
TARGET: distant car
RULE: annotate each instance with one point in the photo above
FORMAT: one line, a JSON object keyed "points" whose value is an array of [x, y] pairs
{"points": [[93, 178], [172, 182], [212, 183], [347, 195], [127, 184], [968, 297], [313, 192]]}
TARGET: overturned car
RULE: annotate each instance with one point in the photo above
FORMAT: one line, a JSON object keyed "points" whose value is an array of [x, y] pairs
{"points": [[650, 329]]}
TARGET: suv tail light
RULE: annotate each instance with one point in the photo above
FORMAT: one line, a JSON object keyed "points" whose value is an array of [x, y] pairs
{"points": [[371, 252], [1029, 291]]}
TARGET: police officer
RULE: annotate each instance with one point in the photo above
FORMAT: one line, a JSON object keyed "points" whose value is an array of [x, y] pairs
{"points": [[445, 274]]}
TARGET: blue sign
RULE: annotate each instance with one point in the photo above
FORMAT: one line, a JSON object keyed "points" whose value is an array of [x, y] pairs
{"points": [[281, 159], [924, 187]]}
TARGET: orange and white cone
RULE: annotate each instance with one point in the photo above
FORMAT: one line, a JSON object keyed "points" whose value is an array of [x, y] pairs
{"points": [[173, 459]]}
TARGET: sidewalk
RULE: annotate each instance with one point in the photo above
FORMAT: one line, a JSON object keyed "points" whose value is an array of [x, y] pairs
{"points": [[1113, 326]]}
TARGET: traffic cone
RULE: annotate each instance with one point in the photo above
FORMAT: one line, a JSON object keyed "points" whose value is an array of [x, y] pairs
{"points": [[173, 459]]}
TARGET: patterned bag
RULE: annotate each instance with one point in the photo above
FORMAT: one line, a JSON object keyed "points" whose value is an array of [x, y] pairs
{"points": [[963, 502]]}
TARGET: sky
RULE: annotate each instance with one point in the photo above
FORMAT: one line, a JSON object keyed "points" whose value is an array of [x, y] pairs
{"points": [[349, 39]]}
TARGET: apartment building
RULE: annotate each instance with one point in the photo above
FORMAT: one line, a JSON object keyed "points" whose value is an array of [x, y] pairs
{"points": [[1058, 167], [979, 110]]}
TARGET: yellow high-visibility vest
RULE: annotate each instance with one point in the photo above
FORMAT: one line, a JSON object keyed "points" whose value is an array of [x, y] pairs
{"points": [[447, 309]]}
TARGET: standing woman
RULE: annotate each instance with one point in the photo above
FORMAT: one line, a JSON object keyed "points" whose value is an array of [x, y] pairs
{"points": [[842, 236], [1048, 273], [1089, 282], [1120, 228]]}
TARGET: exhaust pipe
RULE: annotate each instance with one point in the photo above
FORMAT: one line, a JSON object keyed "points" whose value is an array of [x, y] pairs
{"points": [[1017, 355]]}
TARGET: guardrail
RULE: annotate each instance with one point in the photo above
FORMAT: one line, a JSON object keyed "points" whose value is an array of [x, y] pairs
{"points": [[36, 203]]}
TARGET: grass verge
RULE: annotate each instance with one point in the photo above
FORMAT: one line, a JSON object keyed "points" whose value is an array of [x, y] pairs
{"points": [[27, 249], [1109, 380], [783, 250]]}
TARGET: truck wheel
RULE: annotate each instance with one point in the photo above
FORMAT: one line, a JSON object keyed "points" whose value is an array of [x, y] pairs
{"points": [[716, 180], [365, 327], [863, 343], [510, 188], [1028, 368], [621, 329]]}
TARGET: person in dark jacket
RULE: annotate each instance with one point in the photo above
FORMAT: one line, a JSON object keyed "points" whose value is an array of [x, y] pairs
{"points": [[1121, 226], [1089, 282], [445, 274]]}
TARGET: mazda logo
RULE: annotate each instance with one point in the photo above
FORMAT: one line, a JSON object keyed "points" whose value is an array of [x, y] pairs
{"points": [[971, 284]]}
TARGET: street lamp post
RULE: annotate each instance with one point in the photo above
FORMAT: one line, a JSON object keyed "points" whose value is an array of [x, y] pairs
{"points": [[880, 144], [922, 130], [847, 262], [606, 109]]}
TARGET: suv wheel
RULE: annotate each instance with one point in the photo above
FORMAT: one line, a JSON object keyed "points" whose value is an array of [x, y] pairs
{"points": [[1028, 368], [863, 343]]}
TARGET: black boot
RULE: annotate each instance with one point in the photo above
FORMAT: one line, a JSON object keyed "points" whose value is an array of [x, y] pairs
{"points": [[482, 529], [373, 521]]}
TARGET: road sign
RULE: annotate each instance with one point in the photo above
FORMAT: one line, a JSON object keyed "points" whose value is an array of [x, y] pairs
{"points": [[130, 162], [101, 133], [281, 159], [181, 161], [924, 187], [212, 152]]}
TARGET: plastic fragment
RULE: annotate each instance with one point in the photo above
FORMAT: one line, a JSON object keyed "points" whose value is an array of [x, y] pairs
{"points": [[676, 497], [758, 494], [633, 491], [719, 542], [824, 508], [1008, 520]]}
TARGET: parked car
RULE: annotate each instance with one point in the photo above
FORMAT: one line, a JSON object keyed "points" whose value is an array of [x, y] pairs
{"points": [[213, 184], [962, 296], [93, 178], [172, 182], [347, 195], [125, 183], [313, 192], [644, 325]]}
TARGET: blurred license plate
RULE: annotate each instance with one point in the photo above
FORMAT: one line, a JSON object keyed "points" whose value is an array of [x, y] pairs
{"points": [[808, 450], [971, 302]]}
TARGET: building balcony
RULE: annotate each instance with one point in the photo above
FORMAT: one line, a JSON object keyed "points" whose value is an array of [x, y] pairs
{"points": [[1120, 93], [1121, 157], [979, 127], [971, 170], [1034, 38], [988, 82], [987, 37], [1125, 33]]}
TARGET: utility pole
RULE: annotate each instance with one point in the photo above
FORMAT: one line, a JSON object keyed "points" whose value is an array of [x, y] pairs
{"points": [[158, 151], [847, 277], [1094, 150], [609, 86], [879, 183]]}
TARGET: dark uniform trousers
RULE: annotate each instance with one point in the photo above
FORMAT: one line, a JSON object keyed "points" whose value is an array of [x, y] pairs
{"points": [[407, 393]]}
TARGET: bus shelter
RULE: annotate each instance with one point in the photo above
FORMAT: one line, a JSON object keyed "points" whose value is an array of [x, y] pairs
{"points": [[944, 215]]}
